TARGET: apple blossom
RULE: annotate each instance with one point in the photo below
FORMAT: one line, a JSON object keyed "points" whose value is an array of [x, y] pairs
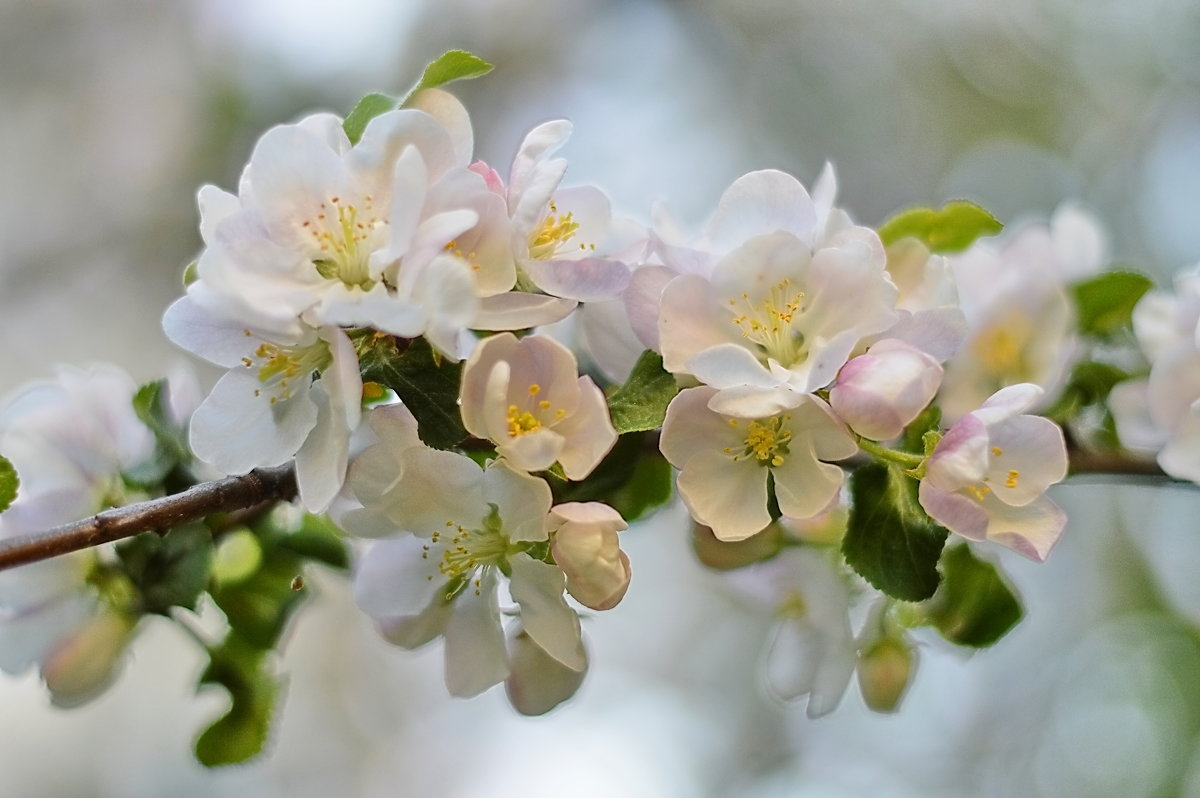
{"points": [[584, 544], [880, 392], [986, 478], [526, 396], [725, 461], [456, 529]]}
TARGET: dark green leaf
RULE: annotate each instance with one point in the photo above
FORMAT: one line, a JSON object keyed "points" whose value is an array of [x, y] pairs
{"points": [[243, 670], [641, 403], [364, 111], [975, 606], [9, 482], [1105, 302], [648, 487], [889, 539], [953, 228], [929, 420], [318, 539], [450, 66], [613, 480], [168, 571], [428, 386]]}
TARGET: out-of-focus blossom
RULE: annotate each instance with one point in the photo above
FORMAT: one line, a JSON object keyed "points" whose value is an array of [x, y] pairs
{"points": [[1020, 319], [879, 393], [526, 396], [725, 461], [987, 477]]}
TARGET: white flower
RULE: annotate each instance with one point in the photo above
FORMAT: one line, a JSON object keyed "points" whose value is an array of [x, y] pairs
{"points": [[268, 408], [725, 461], [775, 321], [459, 528], [1020, 320], [585, 546], [526, 396], [987, 477], [879, 393]]}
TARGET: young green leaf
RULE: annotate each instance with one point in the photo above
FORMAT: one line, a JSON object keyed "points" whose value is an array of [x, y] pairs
{"points": [[9, 482], [889, 539], [168, 571], [641, 403], [364, 111], [426, 384], [1105, 302], [975, 605], [151, 405], [240, 734], [450, 66], [953, 228], [259, 607]]}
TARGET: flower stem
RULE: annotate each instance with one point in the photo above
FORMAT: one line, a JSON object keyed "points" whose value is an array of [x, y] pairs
{"points": [[886, 455]]}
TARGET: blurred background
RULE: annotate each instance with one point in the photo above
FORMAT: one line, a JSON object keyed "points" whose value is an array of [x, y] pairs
{"points": [[114, 113]]}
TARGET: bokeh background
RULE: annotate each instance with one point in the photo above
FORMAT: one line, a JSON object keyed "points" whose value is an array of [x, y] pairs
{"points": [[113, 113]]}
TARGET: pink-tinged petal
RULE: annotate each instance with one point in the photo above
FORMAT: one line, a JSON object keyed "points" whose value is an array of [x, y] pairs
{"points": [[961, 457], [879, 393], [518, 310], [534, 177], [730, 365], [321, 461], [545, 362], [805, 486], [690, 427], [1029, 455], [414, 631], [536, 450], [585, 280], [849, 289], [730, 497], [487, 245], [538, 682], [1008, 402], [234, 431], [588, 432], [396, 577], [1030, 530], [483, 387], [446, 109], [691, 320], [958, 513], [29, 637], [495, 184], [938, 331], [758, 203], [746, 401], [84, 664], [476, 657], [522, 501], [831, 440], [215, 205], [643, 298], [538, 588], [586, 548]]}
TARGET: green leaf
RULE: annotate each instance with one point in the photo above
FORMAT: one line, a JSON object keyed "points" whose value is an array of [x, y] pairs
{"points": [[889, 539], [427, 385], [190, 274], [240, 734], [951, 229], [648, 488], [9, 482], [641, 403], [151, 405], [1105, 302], [975, 605], [450, 66], [318, 539], [168, 571], [259, 607], [364, 111]]}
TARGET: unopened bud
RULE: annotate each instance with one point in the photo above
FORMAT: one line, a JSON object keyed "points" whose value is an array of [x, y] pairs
{"points": [[879, 393], [885, 670], [82, 664]]}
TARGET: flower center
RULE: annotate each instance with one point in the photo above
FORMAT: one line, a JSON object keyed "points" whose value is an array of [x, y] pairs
{"points": [[1001, 346], [769, 323], [521, 421], [465, 552], [279, 367], [550, 237], [766, 440], [343, 235]]}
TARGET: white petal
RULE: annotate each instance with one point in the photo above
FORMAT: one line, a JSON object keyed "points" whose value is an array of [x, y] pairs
{"points": [[1028, 454], [730, 497], [321, 461], [476, 657], [446, 109], [538, 588], [517, 310], [691, 321], [395, 577], [758, 203], [690, 427], [585, 280], [588, 432], [523, 501]]}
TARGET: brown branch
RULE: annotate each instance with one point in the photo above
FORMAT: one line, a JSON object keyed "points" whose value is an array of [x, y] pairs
{"points": [[155, 515]]}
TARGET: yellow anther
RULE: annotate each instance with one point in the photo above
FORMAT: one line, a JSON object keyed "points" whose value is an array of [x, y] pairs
{"points": [[978, 491], [535, 389], [1013, 476], [544, 404], [997, 451], [521, 421]]}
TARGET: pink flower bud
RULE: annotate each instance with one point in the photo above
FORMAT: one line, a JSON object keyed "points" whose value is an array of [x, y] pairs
{"points": [[879, 393], [81, 665], [585, 547]]}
